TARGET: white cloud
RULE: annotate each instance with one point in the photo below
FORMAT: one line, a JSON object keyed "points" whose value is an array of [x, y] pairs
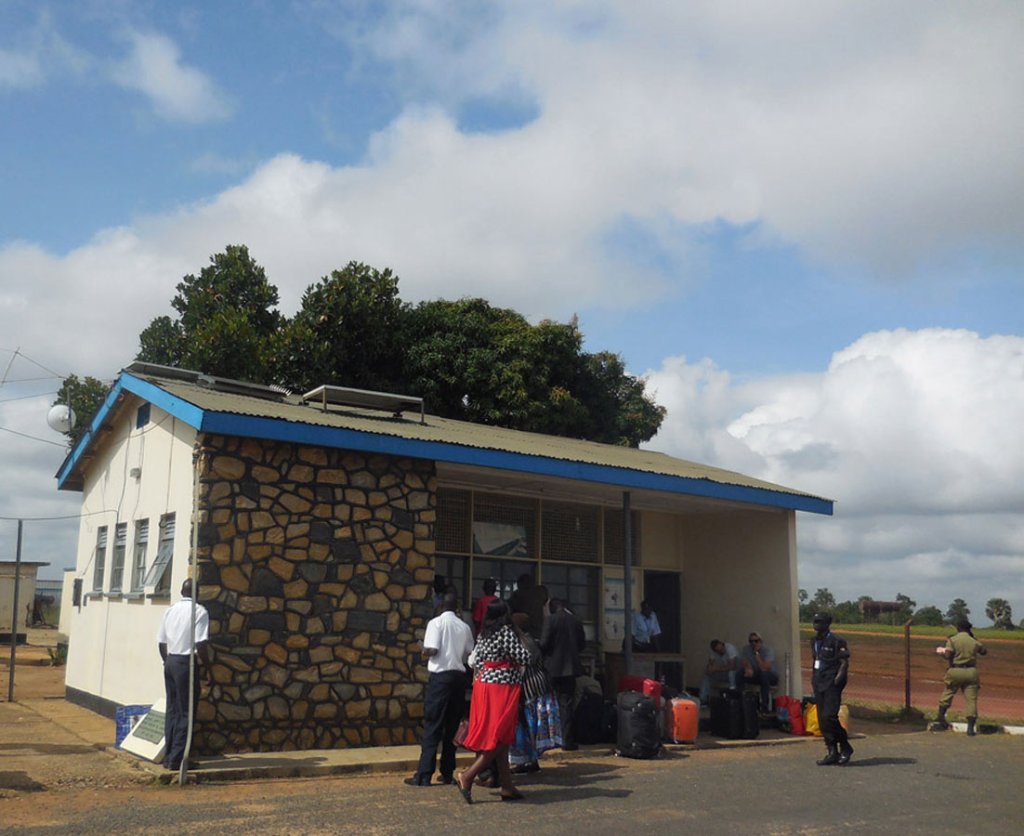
{"points": [[915, 434], [178, 93], [42, 54]]}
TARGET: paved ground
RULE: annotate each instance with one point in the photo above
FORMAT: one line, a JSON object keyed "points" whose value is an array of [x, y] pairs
{"points": [[907, 783]]}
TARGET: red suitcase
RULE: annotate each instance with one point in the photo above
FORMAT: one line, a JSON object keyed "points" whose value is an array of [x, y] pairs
{"points": [[648, 687]]}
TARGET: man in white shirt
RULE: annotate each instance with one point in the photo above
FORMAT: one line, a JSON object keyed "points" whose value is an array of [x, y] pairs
{"points": [[174, 644], [447, 643], [646, 629]]}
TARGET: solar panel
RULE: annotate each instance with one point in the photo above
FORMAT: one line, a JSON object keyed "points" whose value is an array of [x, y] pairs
{"points": [[209, 381], [343, 396]]}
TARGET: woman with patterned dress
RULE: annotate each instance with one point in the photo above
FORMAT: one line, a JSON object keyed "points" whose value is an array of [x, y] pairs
{"points": [[540, 727], [494, 709]]}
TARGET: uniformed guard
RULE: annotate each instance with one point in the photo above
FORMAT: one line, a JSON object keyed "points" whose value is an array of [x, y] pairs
{"points": [[962, 650], [828, 678]]}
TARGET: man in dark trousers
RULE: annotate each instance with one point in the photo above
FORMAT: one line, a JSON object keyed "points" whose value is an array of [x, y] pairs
{"points": [[828, 678], [447, 643], [561, 643], [175, 645]]}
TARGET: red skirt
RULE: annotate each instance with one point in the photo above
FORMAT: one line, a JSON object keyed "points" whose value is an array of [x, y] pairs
{"points": [[493, 714]]}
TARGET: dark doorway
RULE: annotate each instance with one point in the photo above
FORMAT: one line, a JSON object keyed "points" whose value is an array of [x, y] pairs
{"points": [[662, 592]]}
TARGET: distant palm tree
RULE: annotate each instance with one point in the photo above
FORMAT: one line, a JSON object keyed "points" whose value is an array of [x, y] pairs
{"points": [[1001, 613]]}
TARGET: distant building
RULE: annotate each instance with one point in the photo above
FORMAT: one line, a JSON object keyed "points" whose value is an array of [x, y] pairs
{"points": [[25, 581], [321, 521]]}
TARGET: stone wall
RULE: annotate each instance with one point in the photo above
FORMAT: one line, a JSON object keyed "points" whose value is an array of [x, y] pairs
{"points": [[315, 565]]}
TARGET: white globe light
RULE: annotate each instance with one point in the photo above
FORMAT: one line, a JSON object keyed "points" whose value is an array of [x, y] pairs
{"points": [[61, 418]]}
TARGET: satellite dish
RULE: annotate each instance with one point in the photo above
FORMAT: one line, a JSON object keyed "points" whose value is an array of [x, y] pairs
{"points": [[61, 418]]}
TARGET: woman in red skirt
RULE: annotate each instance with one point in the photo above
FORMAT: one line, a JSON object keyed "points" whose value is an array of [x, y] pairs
{"points": [[494, 709]]}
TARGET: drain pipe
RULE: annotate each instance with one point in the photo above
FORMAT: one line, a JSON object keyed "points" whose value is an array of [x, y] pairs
{"points": [[193, 573]]}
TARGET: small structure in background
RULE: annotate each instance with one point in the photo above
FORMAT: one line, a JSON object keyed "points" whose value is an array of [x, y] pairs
{"points": [[26, 583]]}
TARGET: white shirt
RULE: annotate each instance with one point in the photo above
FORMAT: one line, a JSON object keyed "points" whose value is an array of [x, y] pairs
{"points": [[174, 627], [645, 627], [451, 637]]}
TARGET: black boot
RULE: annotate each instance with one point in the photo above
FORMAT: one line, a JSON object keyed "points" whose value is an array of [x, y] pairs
{"points": [[831, 756], [970, 726], [940, 723], [845, 753]]}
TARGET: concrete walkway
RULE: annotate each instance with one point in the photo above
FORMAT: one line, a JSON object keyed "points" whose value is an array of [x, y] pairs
{"points": [[79, 725]]}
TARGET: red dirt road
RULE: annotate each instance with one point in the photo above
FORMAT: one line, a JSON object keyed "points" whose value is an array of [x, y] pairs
{"points": [[877, 675]]}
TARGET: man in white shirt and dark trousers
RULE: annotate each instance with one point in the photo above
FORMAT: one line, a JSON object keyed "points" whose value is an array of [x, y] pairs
{"points": [[447, 643], [175, 647]]}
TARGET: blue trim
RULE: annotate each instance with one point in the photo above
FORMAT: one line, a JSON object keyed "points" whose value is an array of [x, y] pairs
{"points": [[273, 429], [180, 409]]}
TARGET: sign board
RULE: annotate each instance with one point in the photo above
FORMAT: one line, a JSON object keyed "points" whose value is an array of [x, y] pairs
{"points": [[146, 739]]}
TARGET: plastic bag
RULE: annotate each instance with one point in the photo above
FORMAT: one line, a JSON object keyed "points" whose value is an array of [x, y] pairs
{"points": [[811, 725]]}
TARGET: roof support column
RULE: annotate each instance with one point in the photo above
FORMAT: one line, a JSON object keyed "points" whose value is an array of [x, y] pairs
{"points": [[627, 579]]}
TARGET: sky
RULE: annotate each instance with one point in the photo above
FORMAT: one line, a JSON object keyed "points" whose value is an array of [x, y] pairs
{"points": [[801, 222]]}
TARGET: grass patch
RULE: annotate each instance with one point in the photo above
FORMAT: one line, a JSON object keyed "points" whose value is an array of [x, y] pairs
{"points": [[981, 633]]}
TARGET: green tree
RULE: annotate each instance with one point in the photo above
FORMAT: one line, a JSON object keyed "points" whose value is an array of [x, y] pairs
{"points": [[227, 324], [85, 396], [906, 609], [1001, 613], [929, 616], [957, 611], [823, 600], [847, 612], [347, 332]]}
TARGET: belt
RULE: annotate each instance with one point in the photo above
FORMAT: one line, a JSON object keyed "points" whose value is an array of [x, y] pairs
{"points": [[497, 666], [965, 665]]}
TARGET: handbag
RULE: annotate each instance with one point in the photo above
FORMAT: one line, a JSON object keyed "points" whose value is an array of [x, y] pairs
{"points": [[536, 681], [461, 732]]}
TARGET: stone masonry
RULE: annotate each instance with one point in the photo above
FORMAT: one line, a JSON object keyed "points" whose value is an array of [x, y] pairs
{"points": [[315, 565]]}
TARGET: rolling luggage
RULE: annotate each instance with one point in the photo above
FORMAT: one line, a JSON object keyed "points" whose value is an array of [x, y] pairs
{"points": [[637, 735], [734, 715], [681, 720], [650, 687], [588, 719]]}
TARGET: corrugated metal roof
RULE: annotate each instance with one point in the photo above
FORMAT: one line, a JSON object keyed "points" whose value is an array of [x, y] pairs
{"points": [[440, 438]]}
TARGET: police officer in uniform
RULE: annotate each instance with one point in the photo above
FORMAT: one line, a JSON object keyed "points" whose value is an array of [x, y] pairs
{"points": [[831, 657], [962, 650]]}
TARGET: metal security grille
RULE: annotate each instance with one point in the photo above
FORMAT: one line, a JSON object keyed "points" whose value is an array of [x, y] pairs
{"points": [[99, 559], [120, 545], [504, 526], [569, 532], [453, 520], [139, 555], [613, 536]]}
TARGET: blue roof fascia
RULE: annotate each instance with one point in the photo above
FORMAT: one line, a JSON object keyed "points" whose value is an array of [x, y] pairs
{"points": [[183, 410], [273, 429]]}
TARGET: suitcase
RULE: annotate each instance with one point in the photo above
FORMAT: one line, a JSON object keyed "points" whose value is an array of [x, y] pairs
{"points": [[650, 687], [681, 720], [734, 715], [588, 718], [637, 734]]}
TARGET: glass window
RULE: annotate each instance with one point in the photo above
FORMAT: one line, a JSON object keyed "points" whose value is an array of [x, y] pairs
{"points": [[578, 587], [117, 567], [159, 575], [453, 568], [505, 572], [142, 416], [139, 554], [99, 559]]}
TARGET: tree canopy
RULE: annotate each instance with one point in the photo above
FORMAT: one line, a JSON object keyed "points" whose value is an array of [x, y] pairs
{"points": [[466, 358], [1001, 613], [85, 396]]}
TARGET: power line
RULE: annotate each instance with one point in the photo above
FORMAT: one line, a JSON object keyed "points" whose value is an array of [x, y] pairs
{"points": [[34, 438]]}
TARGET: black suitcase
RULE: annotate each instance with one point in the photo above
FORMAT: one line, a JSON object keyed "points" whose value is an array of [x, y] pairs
{"points": [[734, 715], [637, 734], [588, 718]]}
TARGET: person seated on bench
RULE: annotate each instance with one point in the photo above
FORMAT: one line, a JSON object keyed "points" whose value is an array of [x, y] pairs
{"points": [[721, 669], [758, 663]]}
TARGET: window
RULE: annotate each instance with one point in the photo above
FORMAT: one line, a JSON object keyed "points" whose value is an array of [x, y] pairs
{"points": [[120, 545], [453, 569], [578, 587], [504, 526], [505, 572], [160, 572], [99, 559], [452, 528], [142, 416], [139, 554]]}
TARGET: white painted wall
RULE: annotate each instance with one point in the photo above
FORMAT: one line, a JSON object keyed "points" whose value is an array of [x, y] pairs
{"points": [[739, 575], [112, 649], [26, 594]]}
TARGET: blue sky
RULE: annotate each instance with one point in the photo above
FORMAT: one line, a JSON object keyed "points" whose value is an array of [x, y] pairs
{"points": [[803, 224]]}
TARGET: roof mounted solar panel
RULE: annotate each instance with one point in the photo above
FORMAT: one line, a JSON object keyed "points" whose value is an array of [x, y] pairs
{"points": [[385, 401], [209, 381]]}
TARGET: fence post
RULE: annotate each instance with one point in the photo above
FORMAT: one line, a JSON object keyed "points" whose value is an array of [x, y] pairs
{"points": [[906, 670]]}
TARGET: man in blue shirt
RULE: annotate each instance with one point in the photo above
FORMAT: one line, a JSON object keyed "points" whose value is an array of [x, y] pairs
{"points": [[645, 629]]}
